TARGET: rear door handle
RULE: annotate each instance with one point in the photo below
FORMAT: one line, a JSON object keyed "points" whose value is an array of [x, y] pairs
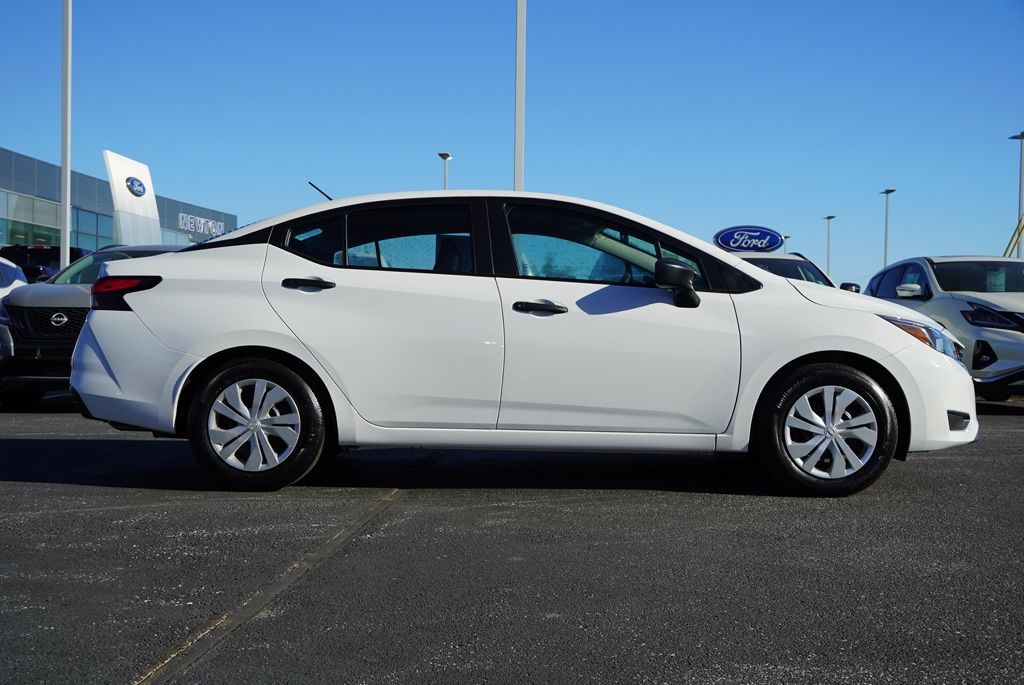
{"points": [[549, 307], [299, 283]]}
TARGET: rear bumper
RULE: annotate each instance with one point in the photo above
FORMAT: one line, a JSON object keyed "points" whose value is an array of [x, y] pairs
{"points": [[122, 374]]}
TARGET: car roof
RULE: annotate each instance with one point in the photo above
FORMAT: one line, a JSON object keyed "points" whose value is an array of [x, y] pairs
{"points": [[977, 258], [142, 248], [772, 255]]}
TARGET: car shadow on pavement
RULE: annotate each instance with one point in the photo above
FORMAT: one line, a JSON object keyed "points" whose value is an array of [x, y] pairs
{"points": [[1000, 409], [168, 465]]}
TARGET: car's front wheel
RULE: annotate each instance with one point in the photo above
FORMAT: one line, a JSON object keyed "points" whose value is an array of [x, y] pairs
{"points": [[827, 429], [257, 424]]}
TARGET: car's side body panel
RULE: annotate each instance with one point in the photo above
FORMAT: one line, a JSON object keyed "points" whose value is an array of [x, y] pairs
{"points": [[407, 348], [622, 358]]}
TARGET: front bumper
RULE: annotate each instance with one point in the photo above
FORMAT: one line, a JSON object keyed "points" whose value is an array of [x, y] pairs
{"points": [[1008, 368], [940, 397], [33, 364]]}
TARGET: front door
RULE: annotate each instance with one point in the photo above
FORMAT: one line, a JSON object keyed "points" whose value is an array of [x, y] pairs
{"points": [[592, 344], [408, 330]]}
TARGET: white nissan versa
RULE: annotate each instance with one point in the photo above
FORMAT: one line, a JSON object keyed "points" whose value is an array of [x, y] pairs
{"points": [[507, 320]]}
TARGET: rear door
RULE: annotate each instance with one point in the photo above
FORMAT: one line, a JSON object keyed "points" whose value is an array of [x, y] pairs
{"points": [[592, 344], [395, 300]]}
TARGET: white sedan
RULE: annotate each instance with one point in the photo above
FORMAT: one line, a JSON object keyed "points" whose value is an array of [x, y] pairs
{"points": [[478, 319]]}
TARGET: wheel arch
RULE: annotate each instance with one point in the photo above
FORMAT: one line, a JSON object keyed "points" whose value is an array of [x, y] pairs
{"points": [[866, 365], [208, 366]]}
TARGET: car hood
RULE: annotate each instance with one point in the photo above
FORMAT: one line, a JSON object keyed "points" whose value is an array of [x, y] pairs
{"points": [[844, 299], [1007, 302], [50, 295]]}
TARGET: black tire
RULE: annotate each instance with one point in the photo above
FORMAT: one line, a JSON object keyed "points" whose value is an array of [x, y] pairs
{"points": [[770, 430], [296, 464], [19, 400]]}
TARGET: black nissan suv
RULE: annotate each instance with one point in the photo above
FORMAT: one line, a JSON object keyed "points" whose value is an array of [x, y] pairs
{"points": [[40, 323]]}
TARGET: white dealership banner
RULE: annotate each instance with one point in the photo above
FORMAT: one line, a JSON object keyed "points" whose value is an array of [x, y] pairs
{"points": [[136, 221]]}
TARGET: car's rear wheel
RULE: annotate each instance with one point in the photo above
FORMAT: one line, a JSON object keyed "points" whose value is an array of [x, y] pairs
{"points": [[17, 400], [257, 424], [827, 429]]}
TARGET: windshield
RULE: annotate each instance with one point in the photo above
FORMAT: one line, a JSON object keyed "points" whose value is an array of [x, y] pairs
{"points": [[981, 277], [87, 269], [792, 268]]}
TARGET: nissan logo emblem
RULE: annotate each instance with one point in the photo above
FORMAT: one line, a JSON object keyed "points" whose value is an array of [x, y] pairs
{"points": [[59, 319]]}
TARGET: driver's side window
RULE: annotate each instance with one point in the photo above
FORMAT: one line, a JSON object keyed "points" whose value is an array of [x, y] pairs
{"points": [[563, 245]]}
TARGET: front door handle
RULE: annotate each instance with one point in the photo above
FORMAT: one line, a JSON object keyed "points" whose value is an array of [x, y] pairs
{"points": [[549, 307], [299, 283]]}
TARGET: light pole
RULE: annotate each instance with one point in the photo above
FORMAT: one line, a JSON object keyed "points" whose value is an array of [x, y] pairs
{"points": [[65, 140], [785, 241], [828, 249], [1020, 192], [445, 157], [520, 126], [885, 244]]}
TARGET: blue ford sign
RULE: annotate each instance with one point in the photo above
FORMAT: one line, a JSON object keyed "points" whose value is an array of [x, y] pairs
{"points": [[135, 186], [748, 239]]}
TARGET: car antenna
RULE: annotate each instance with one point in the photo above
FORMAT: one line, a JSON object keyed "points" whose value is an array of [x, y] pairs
{"points": [[317, 189]]}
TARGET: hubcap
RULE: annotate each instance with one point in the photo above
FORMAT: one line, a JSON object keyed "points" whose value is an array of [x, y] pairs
{"points": [[830, 432], [254, 425]]}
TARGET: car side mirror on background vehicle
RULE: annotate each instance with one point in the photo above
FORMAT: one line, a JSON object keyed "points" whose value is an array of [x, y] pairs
{"points": [[909, 291], [672, 274], [852, 287], [42, 278]]}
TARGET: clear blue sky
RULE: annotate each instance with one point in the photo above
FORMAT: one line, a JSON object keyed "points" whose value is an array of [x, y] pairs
{"points": [[700, 114]]}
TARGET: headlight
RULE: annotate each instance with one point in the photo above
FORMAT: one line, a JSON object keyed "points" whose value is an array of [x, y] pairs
{"points": [[934, 338], [979, 315], [5, 318]]}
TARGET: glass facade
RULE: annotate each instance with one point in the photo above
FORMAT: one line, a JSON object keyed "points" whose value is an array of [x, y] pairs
{"points": [[30, 210]]}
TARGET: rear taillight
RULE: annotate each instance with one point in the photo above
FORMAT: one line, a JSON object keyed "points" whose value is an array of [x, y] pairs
{"points": [[109, 291]]}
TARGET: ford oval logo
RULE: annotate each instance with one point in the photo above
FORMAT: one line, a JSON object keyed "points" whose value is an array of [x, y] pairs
{"points": [[135, 186], [748, 239]]}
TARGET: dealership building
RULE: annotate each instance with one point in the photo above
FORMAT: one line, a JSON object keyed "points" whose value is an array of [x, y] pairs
{"points": [[30, 210]]}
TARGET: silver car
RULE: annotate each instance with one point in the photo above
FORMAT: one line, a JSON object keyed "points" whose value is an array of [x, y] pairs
{"points": [[979, 299]]}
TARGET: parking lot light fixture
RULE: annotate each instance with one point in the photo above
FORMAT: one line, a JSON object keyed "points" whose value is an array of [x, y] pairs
{"points": [[885, 241], [785, 246], [828, 248], [1020, 179], [444, 159]]}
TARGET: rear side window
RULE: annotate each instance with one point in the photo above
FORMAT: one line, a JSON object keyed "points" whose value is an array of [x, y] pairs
{"points": [[887, 286], [433, 238], [430, 238]]}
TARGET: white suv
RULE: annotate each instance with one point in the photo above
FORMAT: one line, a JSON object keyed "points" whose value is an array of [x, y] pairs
{"points": [[497, 320], [980, 300]]}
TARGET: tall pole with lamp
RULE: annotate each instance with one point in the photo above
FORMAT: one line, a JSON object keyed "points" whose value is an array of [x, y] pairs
{"points": [[445, 157], [65, 140], [828, 249], [1020, 191], [885, 241]]}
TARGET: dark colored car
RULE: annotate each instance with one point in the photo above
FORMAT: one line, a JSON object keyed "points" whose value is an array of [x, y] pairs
{"points": [[39, 262], [40, 322]]}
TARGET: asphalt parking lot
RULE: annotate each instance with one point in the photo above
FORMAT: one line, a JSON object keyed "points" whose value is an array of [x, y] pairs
{"points": [[122, 562]]}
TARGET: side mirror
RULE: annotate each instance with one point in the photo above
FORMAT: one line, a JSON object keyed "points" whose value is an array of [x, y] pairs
{"points": [[672, 274], [909, 291], [852, 287]]}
